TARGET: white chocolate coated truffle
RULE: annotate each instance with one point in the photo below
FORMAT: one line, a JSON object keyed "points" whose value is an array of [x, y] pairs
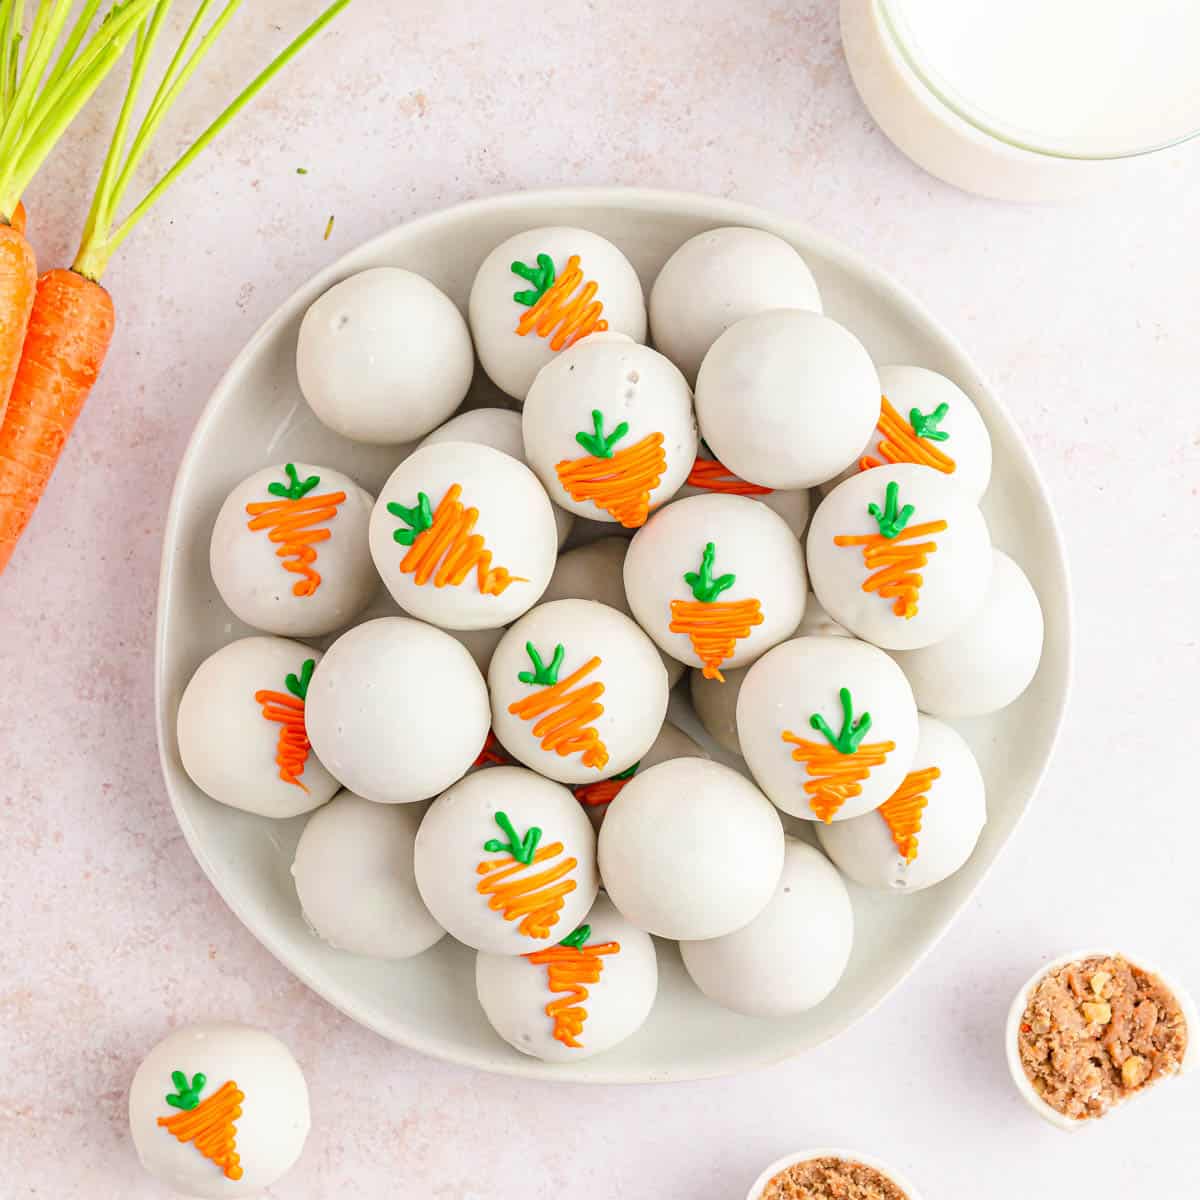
{"points": [[899, 556], [708, 475], [792, 955], [384, 356], [811, 697], [537, 850], [719, 607], [235, 1090], [690, 849], [241, 729], [717, 278], [289, 551], [464, 536], [354, 875], [787, 398], [616, 968], [991, 659], [600, 290], [609, 430], [398, 710], [905, 847], [578, 691]]}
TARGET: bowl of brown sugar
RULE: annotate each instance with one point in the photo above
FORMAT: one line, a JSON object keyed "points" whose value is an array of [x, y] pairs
{"points": [[830, 1175]]}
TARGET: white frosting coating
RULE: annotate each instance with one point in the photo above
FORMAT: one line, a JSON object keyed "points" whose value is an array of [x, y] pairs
{"points": [[397, 710], [791, 956], [787, 398], [627, 384], [514, 518], [384, 356], [270, 1131], [515, 992], [450, 846], [954, 579], [249, 570], [480, 644], [354, 875], [512, 360], [714, 280], [953, 818], [635, 689], [226, 744], [989, 661], [690, 849], [789, 684]]}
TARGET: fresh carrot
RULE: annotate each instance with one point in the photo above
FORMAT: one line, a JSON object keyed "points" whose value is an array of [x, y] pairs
{"points": [[71, 312]]}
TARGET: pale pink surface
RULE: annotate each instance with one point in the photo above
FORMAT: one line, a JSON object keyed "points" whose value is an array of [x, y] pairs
{"points": [[1084, 318]]}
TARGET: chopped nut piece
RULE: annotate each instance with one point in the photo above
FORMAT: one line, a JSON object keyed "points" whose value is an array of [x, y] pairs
{"points": [[1097, 1011], [1134, 1071], [1098, 981], [1041, 1026]]}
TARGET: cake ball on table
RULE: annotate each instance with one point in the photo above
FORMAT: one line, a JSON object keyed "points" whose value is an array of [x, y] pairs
{"points": [[899, 556], [289, 551], [464, 536], [384, 356], [542, 291], [241, 729], [792, 954], [787, 399], [828, 727], [579, 997], [505, 860], [578, 691], [398, 710], [609, 429], [708, 475], [716, 581], [218, 1110]]}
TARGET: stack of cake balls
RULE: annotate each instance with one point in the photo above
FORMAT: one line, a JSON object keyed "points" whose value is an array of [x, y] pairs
{"points": [[751, 499]]}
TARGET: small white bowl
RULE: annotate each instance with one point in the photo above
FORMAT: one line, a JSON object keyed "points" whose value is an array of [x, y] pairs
{"points": [[781, 1164], [1021, 1002]]}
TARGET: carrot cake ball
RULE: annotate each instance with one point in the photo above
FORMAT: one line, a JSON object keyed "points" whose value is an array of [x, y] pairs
{"points": [[583, 995], [384, 356], [464, 536], [926, 830], [289, 551], [578, 691], [398, 710], [792, 954], [218, 1111], [609, 430], [241, 729], [1097, 1031], [714, 280], [988, 662], [690, 849], [506, 861], [542, 291], [353, 872], [716, 581], [828, 727], [900, 556], [831, 1178], [787, 399]]}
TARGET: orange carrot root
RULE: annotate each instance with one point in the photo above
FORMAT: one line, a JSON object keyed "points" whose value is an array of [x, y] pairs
{"points": [[835, 777], [714, 628], [564, 729], [896, 563], [291, 755], [900, 444], [603, 791], [536, 898], [569, 970], [713, 476], [18, 290], [297, 526], [211, 1127], [620, 485], [555, 313], [902, 810], [19, 218]]}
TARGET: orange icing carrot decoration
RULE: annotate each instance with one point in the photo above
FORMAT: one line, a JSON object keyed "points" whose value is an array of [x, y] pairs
{"points": [[291, 753], [910, 441], [836, 771], [442, 546], [209, 1124], [492, 754], [553, 313], [535, 898], [713, 625], [296, 522], [892, 555], [570, 967], [712, 476], [604, 791], [567, 709], [620, 483], [902, 811]]}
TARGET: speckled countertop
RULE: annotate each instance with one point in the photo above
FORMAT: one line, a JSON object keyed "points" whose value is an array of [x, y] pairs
{"points": [[1086, 319]]}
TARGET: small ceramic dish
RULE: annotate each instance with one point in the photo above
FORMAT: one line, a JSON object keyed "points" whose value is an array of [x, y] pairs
{"points": [[790, 1160]]}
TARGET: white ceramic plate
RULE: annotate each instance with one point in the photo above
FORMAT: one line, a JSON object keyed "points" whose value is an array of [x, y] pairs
{"points": [[257, 416]]}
